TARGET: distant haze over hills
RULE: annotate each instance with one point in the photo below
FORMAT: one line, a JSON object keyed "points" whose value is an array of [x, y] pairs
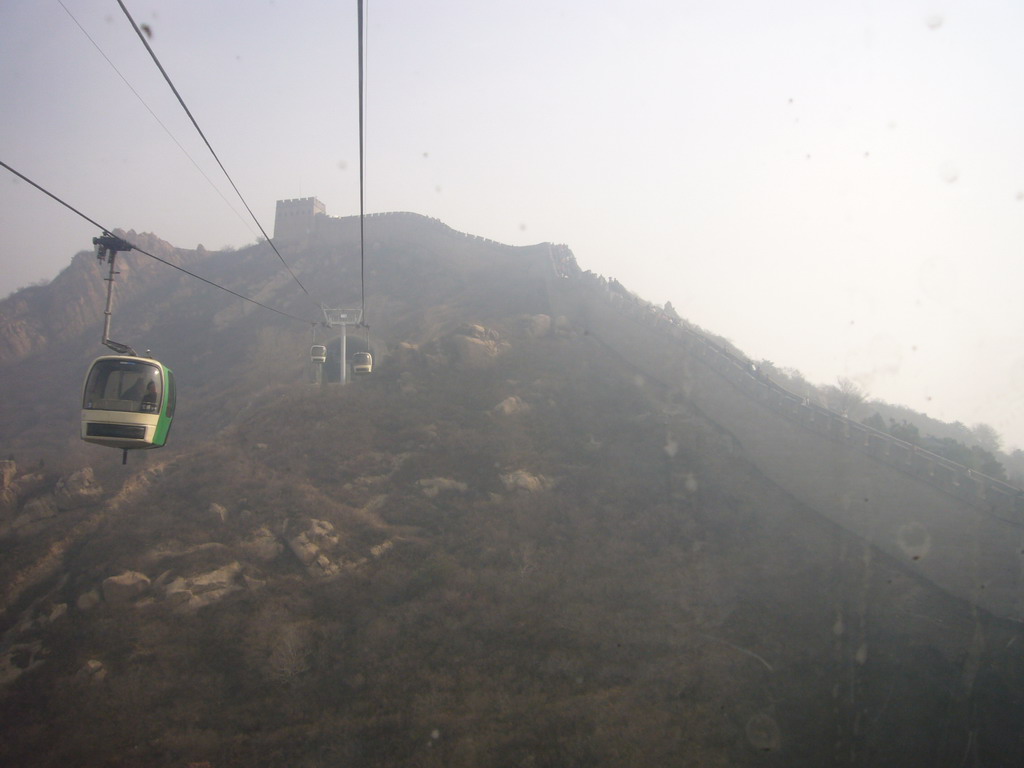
{"points": [[556, 526]]}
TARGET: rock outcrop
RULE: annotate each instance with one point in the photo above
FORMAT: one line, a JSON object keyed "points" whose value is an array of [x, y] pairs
{"points": [[190, 593], [473, 346], [125, 587], [511, 405], [93, 670], [536, 325], [521, 480], [314, 546], [262, 545], [77, 490]]}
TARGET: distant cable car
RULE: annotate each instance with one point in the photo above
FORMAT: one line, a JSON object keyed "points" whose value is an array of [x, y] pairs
{"points": [[318, 353], [362, 362], [127, 402]]}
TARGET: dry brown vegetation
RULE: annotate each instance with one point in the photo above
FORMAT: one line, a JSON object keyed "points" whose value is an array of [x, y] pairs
{"points": [[643, 610], [398, 574]]}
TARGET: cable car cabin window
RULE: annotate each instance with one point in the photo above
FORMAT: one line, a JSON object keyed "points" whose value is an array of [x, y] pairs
{"points": [[123, 385]]}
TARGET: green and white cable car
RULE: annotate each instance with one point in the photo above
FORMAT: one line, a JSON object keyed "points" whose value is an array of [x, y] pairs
{"points": [[127, 402], [127, 399]]}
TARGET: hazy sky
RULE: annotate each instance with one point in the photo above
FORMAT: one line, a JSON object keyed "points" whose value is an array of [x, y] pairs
{"points": [[835, 186]]}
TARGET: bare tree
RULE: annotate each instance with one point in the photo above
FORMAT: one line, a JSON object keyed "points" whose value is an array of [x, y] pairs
{"points": [[846, 396], [289, 652], [987, 437]]}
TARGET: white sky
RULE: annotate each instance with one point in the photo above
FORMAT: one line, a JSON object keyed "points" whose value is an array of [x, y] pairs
{"points": [[835, 186]]}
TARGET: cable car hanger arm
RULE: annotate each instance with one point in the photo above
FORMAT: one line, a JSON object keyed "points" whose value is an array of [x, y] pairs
{"points": [[107, 246]]}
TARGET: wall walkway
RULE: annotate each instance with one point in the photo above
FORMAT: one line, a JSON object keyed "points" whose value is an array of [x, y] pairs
{"points": [[960, 529]]}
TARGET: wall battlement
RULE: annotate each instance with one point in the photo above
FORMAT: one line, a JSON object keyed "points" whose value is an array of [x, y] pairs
{"points": [[957, 528], [295, 220], [304, 220]]}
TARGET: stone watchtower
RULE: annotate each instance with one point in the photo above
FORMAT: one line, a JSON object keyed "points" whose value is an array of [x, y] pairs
{"points": [[295, 221]]}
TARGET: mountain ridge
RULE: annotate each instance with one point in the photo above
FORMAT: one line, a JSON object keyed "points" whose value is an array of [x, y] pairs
{"points": [[519, 542]]}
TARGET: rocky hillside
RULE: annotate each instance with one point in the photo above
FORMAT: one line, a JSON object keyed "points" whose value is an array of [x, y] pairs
{"points": [[506, 547], [33, 319]]}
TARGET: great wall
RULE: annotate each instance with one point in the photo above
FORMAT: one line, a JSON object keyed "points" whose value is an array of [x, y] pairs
{"points": [[959, 529], [303, 220], [956, 527]]}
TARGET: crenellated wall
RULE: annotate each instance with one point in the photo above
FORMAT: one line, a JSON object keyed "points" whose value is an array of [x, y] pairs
{"points": [[960, 529], [303, 221], [295, 220]]}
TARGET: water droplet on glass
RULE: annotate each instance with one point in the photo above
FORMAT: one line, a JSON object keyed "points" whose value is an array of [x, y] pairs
{"points": [[914, 540], [861, 655], [763, 732], [949, 173]]}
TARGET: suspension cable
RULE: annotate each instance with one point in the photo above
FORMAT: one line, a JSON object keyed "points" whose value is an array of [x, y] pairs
{"points": [[154, 115], [96, 224], [181, 101], [362, 184]]}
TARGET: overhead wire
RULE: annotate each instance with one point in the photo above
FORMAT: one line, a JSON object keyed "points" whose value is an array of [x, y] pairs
{"points": [[96, 224], [151, 112], [362, 183], [188, 112], [362, 172]]}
